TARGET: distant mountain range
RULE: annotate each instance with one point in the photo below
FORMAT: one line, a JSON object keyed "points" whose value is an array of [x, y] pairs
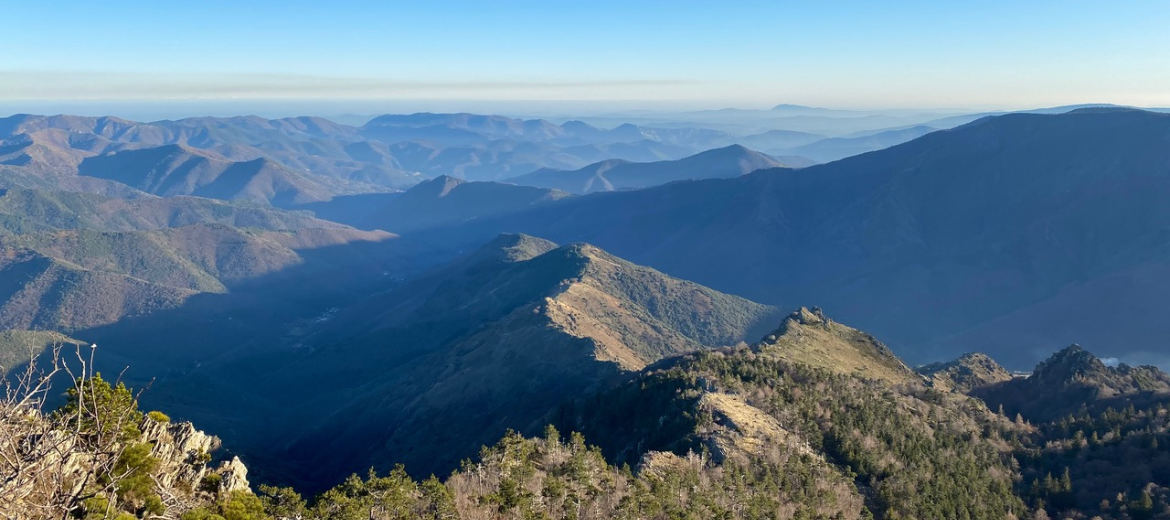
{"points": [[447, 201], [1006, 228], [832, 149], [178, 170], [612, 175], [23, 211], [78, 261], [990, 235], [302, 160]]}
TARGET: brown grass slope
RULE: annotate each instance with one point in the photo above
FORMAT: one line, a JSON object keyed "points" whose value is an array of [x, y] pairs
{"points": [[810, 338]]}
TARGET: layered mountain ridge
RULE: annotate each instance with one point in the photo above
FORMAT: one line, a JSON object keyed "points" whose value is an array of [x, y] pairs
{"points": [[612, 175], [316, 349], [990, 233], [171, 170], [299, 160]]}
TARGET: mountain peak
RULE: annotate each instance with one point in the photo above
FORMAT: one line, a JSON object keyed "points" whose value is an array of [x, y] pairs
{"points": [[735, 149], [579, 126], [1068, 364], [446, 201], [800, 109], [583, 250], [440, 186], [1072, 379], [515, 247], [970, 371], [745, 159], [616, 174], [809, 337], [806, 316]]}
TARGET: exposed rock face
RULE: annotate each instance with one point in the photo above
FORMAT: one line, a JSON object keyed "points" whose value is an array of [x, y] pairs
{"points": [[183, 451], [234, 476], [184, 455], [49, 466]]}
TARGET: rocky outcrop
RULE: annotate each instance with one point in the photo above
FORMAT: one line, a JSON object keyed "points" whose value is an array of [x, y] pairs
{"points": [[233, 476], [183, 452], [50, 467], [184, 455]]}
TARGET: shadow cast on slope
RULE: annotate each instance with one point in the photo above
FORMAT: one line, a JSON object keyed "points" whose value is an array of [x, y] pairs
{"points": [[306, 403], [210, 360]]}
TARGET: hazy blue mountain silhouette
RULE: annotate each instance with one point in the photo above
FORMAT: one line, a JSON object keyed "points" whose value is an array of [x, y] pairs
{"points": [[1010, 234], [731, 161]]}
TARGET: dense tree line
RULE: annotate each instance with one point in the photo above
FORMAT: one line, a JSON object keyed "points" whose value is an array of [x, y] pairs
{"points": [[1110, 464]]}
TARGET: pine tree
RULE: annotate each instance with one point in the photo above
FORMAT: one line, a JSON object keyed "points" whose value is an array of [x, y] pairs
{"points": [[440, 503]]}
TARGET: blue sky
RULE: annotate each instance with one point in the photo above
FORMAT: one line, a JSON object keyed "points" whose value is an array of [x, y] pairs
{"points": [[850, 54]]}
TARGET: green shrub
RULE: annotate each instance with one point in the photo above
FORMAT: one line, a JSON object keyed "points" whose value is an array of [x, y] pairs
{"points": [[242, 505], [239, 505], [154, 505], [202, 513], [202, 457], [98, 410], [283, 502], [211, 483], [135, 486], [93, 508], [158, 416]]}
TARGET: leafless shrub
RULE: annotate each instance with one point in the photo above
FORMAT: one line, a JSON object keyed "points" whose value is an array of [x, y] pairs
{"points": [[52, 462]]}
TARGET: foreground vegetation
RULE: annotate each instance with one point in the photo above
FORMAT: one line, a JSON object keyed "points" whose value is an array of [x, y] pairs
{"points": [[741, 433]]}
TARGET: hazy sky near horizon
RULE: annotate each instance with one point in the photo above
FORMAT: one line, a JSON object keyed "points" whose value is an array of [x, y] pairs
{"points": [[848, 54]]}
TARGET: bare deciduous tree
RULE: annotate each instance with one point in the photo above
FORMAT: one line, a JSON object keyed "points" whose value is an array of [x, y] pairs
{"points": [[52, 462]]}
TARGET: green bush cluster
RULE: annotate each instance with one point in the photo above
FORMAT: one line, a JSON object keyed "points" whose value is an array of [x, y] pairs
{"points": [[107, 419]]}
